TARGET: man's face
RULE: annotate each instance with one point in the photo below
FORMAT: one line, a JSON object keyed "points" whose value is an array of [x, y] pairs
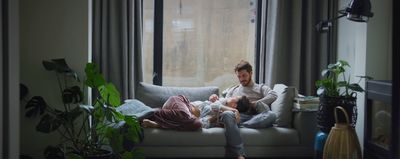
{"points": [[244, 77]]}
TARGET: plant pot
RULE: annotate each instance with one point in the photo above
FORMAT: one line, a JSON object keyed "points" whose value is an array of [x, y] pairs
{"points": [[325, 114], [101, 154]]}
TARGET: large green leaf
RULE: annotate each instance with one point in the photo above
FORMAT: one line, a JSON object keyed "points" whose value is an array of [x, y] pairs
{"points": [[356, 87], [325, 72], [72, 95], [60, 66], [99, 113], [135, 131], [343, 63], [94, 78], [110, 94], [53, 152], [320, 91], [117, 115], [35, 106], [48, 124], [49, 66], [116, 139]]}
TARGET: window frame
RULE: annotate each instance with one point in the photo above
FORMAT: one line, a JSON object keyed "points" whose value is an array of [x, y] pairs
{"points": [[158, 41]]}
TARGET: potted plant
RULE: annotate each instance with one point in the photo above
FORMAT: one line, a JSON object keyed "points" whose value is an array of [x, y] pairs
{"points": [[86, 130], [335, 92]]}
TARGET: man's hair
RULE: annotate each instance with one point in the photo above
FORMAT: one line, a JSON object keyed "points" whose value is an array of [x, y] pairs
{"points": [[243, 104], [243, 65]]}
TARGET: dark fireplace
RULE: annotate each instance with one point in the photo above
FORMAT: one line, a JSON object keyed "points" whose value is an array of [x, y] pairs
{"points": [[378, 136]]}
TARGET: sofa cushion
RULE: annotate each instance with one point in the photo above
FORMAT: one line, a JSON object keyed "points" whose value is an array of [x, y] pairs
{"points": [[283, 105], [274, 136], [262, 120], [133, 107], [155, 96]]}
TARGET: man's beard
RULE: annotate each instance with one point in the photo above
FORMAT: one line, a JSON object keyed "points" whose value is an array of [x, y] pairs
{"points": [[247, 82]]}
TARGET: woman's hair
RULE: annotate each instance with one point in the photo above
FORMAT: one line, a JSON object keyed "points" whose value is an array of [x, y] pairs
{"points": [[195, 111], [243, 104]]}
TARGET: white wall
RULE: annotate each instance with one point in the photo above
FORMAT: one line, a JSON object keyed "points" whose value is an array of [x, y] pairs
{"points": [[379, 41], [367, 48], [49, 29]]}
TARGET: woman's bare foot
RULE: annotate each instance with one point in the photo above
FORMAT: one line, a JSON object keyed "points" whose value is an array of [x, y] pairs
{"points": [[146, 123]]}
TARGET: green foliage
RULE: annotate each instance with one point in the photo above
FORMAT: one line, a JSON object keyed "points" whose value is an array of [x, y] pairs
{"points": [[81, 139], [331, 86]]}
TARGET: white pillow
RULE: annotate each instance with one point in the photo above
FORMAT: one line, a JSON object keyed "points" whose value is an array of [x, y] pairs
{"points": [[283, 105]]}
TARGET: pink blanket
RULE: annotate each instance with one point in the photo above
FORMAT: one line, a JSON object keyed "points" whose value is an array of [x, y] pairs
{"points": [[175, 114]]}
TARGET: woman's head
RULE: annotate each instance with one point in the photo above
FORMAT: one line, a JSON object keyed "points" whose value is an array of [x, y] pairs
{"points": [[241, 103]]}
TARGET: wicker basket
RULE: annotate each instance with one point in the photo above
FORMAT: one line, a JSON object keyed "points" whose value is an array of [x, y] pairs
{"points": [[325, 118], [342, 141]]}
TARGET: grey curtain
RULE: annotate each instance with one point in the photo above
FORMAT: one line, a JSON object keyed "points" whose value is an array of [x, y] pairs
{"points": [[291, 50], [117, 42]]}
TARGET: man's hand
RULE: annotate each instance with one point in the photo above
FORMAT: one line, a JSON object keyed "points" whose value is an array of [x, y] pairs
{"points": [[213, 98], [253, 104]]}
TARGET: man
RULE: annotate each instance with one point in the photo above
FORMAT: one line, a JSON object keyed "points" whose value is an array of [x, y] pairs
{"points": [[260, 96]]}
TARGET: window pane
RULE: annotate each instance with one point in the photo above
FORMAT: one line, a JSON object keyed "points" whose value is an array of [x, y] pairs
{"points": [[148, 31], [204, 40]]}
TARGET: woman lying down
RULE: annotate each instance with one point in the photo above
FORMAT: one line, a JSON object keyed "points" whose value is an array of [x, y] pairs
{"points": [[178, 113]]}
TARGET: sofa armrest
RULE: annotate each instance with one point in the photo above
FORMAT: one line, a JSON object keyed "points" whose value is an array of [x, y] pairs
{"points": [[155, 96], [306, 124]]}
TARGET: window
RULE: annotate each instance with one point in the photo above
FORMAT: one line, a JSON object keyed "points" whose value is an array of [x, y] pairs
{"points": [[202, 41]]}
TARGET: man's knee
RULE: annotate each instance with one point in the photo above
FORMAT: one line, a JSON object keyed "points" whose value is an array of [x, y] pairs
{"points": [[228, 115]]}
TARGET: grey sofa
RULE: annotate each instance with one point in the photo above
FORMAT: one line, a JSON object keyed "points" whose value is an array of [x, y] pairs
{"points": [[295, 140]]}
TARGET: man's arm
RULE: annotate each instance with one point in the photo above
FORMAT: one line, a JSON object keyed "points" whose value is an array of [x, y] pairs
{"points": [[269, 95], [229, 91]]}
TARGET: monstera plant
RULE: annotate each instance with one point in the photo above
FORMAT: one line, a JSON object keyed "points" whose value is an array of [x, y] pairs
{"points": [[336, 92], [87, 131], [331, 86]]}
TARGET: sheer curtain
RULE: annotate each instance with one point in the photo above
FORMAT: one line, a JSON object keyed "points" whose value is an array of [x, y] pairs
{"points": [[117, 42], [291, 50]]}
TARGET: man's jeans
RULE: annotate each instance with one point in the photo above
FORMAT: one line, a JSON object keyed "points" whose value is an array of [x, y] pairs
{"points": [[234, 144]]}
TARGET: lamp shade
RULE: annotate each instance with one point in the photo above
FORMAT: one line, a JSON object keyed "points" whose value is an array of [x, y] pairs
{"points": [[359, 10]]}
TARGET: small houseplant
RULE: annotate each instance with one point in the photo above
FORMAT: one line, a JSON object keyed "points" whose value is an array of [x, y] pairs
{"points": [[335, 92], [85, 129]]}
